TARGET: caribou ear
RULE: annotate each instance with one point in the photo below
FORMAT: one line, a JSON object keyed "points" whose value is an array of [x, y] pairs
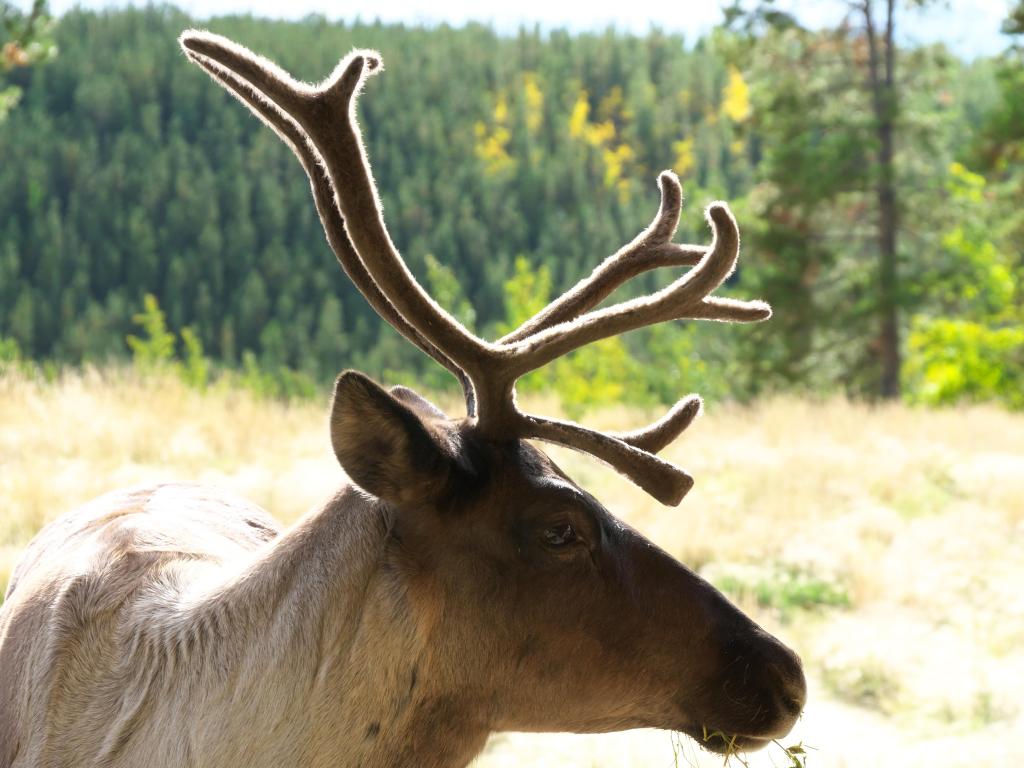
{"points": [[384, 445]]}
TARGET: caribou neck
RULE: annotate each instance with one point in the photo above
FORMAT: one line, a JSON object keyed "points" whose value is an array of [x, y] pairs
{"points": [[322, 627]]}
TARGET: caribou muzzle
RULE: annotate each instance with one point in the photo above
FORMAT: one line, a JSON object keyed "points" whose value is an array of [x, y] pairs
{"points": [[757, 697]]}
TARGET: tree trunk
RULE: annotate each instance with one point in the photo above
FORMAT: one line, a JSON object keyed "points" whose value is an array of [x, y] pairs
{"points": [[884, 104]]}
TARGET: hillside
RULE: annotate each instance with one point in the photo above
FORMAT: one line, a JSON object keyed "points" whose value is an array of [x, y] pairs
{"points": [[127, 172], [509, 167]]}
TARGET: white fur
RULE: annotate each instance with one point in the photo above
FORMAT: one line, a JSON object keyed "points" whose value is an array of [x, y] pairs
{"points": [[175, 626]]}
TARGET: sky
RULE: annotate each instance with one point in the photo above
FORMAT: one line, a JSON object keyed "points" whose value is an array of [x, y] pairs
{"points": [[968, 27]]}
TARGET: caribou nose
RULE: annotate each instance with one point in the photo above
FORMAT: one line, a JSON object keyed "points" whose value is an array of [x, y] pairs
{"points": [[782, 674], [763, 686]]}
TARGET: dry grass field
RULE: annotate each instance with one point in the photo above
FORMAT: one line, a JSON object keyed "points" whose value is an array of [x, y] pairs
{"points": [[885, 544]]}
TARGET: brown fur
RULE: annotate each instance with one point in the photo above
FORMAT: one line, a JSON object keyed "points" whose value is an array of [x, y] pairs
{"points": [[177, 626]]}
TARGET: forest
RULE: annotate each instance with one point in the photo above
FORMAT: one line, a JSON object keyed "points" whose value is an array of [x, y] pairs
{"points": [[146, 216]]}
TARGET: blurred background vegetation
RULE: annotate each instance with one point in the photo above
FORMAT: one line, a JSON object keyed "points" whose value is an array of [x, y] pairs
{"points": [[145, 216], [169, 310]]}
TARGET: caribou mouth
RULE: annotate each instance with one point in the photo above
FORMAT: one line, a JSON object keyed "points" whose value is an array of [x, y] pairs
{"points": [[721, 743]]}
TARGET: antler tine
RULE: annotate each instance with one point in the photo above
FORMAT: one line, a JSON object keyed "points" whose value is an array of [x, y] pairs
{"points": [[326, 115], [665, 482], [649, 250], [632, 453], [323, 195], [664, 431], [270, 80], [686, 298]]}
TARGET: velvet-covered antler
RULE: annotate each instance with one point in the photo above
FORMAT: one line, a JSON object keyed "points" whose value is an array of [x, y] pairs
{"points": [[318, 123], [323, 197]]}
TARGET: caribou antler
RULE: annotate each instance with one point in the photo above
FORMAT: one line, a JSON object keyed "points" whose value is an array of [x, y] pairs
{"points": [[319, 124], [323, 197]]}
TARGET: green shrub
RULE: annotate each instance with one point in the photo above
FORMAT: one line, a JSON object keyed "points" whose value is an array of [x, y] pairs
{"points": [[280, 383], [12, 360], [195, 369], [10, 353], [951, 361], [154, 349], [781, 587]]}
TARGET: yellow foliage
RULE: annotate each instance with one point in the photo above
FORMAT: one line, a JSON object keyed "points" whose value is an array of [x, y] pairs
{"points": [[684, 156], [614, 159], [580, 113], [736, 98], [738, 147], [599, 134], [602, 136], [491, 146], [580, 127], [492, 149], [534, 97], [501, 109], [965, 184]]}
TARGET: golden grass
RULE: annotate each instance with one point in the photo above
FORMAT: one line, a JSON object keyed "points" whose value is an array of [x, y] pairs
{"points": [[916, 516]]}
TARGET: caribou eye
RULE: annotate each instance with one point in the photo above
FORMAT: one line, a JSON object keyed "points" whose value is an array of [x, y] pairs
{"points": [[560, 535]]}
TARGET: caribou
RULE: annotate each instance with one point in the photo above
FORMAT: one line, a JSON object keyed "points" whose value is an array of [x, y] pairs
{"points": [[458, 583]]}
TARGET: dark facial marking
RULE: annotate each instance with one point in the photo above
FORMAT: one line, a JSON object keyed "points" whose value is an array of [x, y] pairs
{"points": [[372, 731]]}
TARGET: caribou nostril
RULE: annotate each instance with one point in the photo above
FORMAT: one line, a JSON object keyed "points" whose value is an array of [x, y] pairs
{"points": [[793, 689], [793, 704], [789, 683]]}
